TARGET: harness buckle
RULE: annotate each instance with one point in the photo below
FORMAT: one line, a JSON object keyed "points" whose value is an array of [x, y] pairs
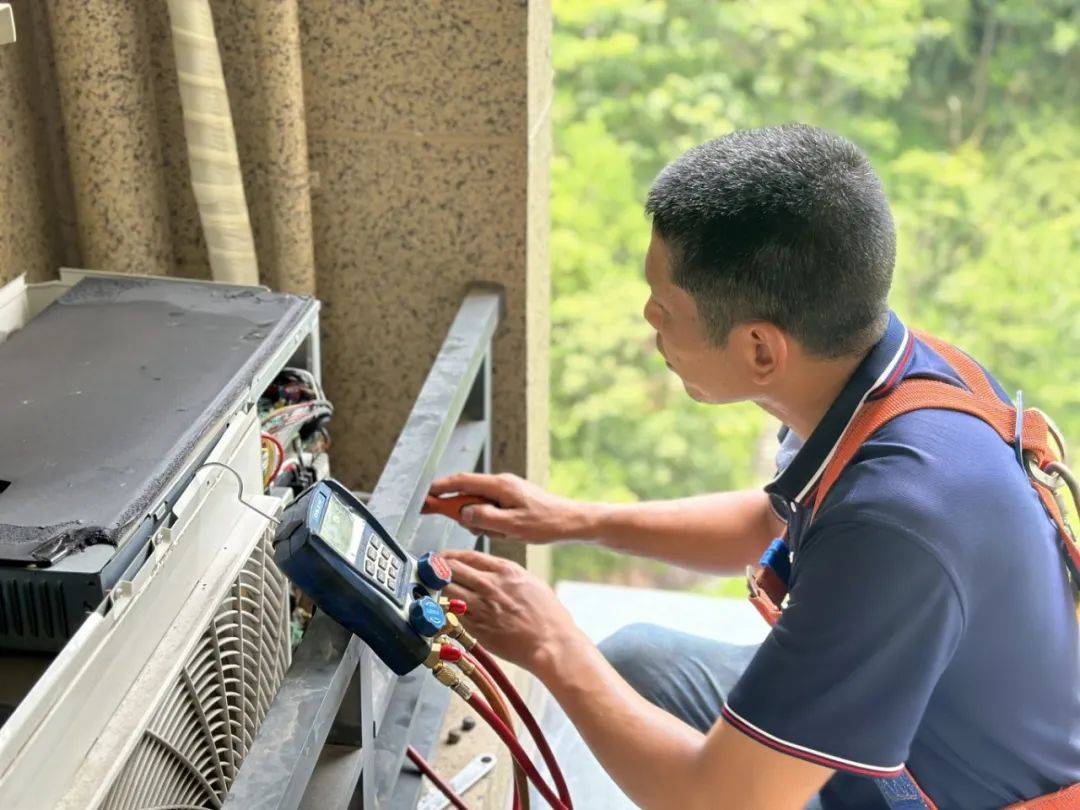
{"points": [[1036, 473]]}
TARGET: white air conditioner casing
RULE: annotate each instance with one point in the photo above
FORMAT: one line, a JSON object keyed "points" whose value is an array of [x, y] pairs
{"points": [[155, 699], [88, 718]]}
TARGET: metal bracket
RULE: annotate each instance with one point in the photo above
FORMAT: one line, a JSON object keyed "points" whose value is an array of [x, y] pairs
{"points": [[464, 779]]}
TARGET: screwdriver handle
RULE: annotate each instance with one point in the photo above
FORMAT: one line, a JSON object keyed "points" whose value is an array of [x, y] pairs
{"points": [[451, 505]]}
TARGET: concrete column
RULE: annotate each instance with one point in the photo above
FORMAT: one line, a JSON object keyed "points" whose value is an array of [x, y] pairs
{"points": [[24, 247], [288, 176], [36, 220], [260, 49], [428, 125], [109, 115]]}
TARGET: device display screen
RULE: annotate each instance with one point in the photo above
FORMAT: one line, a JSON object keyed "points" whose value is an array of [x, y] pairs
{"points": [[338, 528]]}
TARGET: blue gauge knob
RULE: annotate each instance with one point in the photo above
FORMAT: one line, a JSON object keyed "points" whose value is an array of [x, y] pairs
{"points": [[426, 617], [434, 571]]}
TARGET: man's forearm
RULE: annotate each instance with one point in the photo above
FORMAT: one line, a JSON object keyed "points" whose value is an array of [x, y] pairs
{"points": [[722, 533], [651, 755]]}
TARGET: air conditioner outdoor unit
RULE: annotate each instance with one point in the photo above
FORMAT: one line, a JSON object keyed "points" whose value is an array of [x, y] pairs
{"points": [[144, 627]]}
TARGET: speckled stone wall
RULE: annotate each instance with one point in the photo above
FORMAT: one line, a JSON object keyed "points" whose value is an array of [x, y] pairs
{"points": [[113, 140], [261, 56], [408, 141], [37, 224], [428, 127]]}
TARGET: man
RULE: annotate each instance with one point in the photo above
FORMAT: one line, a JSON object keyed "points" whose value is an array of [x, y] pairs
{"points": [[929, 621]]}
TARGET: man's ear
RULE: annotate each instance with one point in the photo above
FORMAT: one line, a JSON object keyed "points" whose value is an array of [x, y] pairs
{"points": [[764, 346]]}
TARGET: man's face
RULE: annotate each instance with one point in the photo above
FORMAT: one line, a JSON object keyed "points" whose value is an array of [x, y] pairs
{"points": [[709, 373]]}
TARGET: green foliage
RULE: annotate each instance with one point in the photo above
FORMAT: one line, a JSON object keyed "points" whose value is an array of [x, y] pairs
{"points": [[969, 112]]}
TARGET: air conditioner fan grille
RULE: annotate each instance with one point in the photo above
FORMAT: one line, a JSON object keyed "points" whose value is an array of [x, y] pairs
{"points": [[193, 746]]}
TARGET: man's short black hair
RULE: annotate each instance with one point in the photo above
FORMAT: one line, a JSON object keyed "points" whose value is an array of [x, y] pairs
{"points": [[786, 224]]}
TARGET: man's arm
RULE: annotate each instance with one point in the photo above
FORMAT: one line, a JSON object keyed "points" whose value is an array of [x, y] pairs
{"points": [[657, 760], [720, 533]]}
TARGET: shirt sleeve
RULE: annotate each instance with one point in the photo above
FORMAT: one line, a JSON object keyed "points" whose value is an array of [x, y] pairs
{"points": [[844, 678]]}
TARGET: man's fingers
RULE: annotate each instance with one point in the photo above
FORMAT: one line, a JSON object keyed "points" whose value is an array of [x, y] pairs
{"points": [[487, 486], [474, 559], [475, 579], [487, 518], [457, 591]]}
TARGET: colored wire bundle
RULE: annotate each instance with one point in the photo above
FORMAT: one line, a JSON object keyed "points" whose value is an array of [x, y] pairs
{"points": [[277, 455], [293, 414]]}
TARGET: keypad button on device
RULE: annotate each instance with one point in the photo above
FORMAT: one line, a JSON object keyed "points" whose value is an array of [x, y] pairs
{"points": [[372, 551], [369, 567]]}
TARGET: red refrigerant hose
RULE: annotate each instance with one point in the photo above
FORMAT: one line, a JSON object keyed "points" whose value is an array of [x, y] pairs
{"points": [[447, 791], [491, 666], [518, 752], [479, 676]]}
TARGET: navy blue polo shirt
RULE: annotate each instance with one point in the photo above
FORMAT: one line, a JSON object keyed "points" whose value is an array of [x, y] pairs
{"points": [[929, 622]]}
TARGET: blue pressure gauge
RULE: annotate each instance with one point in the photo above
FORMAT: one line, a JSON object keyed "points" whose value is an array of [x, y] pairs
{"points": [[337, 553]]}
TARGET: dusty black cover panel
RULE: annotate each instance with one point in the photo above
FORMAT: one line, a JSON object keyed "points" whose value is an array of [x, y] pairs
{"points": [[107, 391]]}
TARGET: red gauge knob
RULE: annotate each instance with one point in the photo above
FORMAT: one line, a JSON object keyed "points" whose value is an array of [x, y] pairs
{"points": [[434, 571]]}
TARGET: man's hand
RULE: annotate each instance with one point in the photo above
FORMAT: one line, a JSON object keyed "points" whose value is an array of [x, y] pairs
{"points": [[511, 612], [658, 760], [519, 509]]}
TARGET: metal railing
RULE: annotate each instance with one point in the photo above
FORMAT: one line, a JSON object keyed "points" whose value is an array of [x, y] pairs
{"points": [[336, 732]]}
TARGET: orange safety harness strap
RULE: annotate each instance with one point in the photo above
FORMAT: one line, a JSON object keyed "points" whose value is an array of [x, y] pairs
{"points": [[982, 402], [767, 591]]}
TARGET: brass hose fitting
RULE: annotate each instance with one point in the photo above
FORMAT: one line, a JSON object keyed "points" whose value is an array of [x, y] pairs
{"points": [[456, 631], [447, 677], [433, 657]]}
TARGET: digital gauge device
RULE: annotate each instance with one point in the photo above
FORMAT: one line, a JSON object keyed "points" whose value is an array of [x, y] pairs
{"points": [[338, 553]]}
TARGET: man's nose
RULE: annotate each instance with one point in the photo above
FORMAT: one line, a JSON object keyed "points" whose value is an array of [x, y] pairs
{"points": [[650, 314]]}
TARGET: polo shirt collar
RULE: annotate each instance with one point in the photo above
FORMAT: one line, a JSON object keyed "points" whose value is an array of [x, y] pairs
{"points": [[879, 371]]}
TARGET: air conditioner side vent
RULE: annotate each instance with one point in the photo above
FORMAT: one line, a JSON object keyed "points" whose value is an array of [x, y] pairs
{"points": [[33, 609]]}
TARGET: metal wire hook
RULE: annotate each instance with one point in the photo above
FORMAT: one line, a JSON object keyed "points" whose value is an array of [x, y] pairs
{"points": [[240, 494]]}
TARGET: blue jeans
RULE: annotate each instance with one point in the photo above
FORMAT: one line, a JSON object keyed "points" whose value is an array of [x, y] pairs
{"points": [[687, 676], [690, 677]]}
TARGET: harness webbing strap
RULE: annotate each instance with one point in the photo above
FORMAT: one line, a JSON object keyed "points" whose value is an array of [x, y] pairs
{"points": [[982, 402], [903, 793], [1066, 799]]}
